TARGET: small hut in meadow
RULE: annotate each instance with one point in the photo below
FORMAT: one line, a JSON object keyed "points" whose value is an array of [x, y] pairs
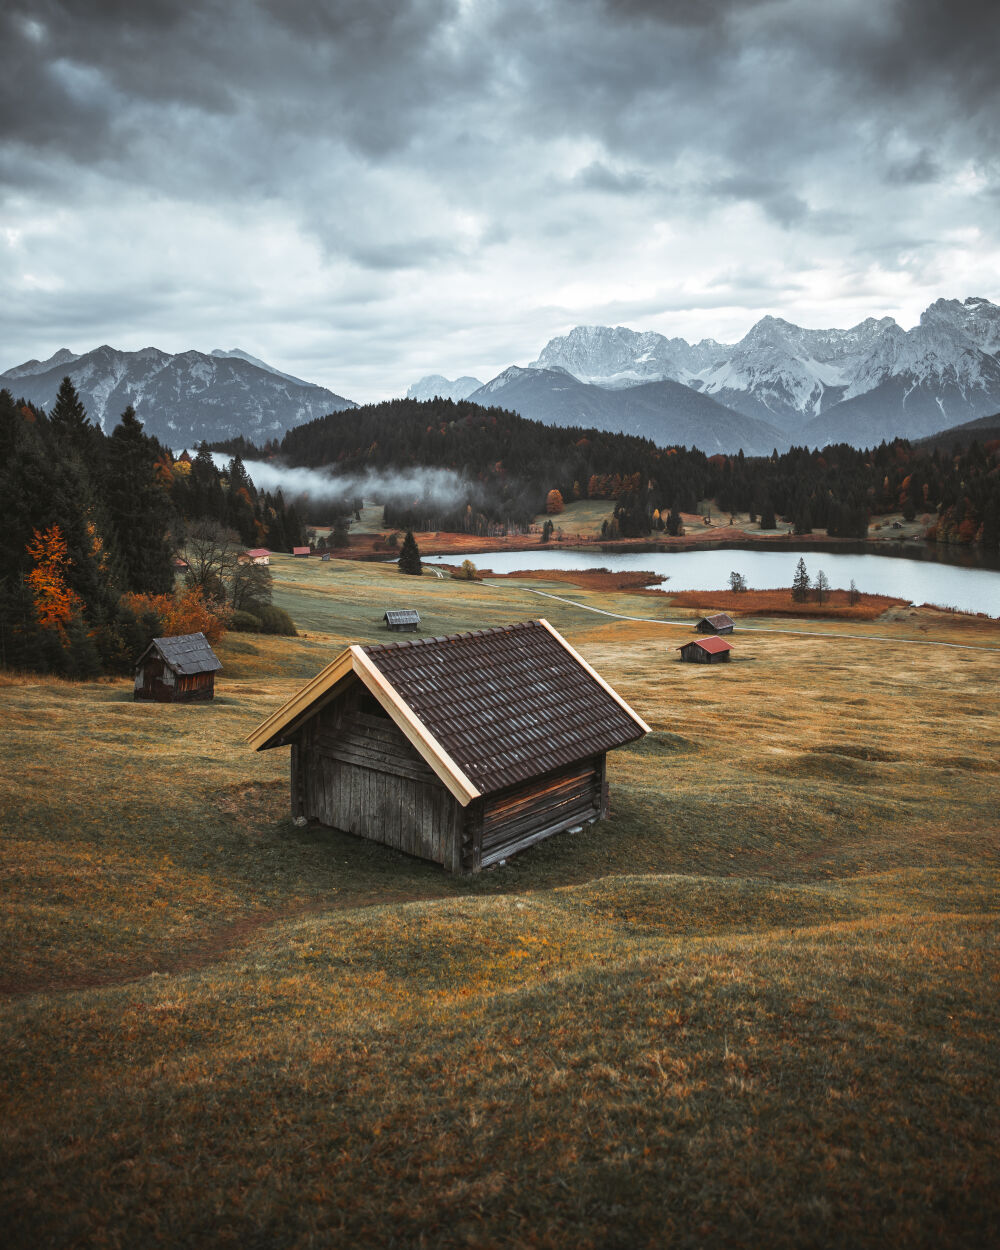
{"points": [[463, 749], [402, 620], [302, 553], [720, 623], [177, 669], [706, 651], [256, 555]]}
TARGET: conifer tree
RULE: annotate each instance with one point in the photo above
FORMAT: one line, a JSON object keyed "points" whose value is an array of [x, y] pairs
{"points": [[140, 509], [800, 582], [70, 424], [409, 556]]}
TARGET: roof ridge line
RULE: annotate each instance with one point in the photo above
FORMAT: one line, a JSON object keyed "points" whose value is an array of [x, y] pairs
{"points": [[368, 648]]}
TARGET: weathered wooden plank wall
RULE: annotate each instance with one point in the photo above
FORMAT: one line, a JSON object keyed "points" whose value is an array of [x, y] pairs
{"points": [[515, 818], [359, 773]]}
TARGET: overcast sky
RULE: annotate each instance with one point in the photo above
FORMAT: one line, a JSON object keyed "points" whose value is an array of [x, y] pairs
{"points": [[365, 191]]}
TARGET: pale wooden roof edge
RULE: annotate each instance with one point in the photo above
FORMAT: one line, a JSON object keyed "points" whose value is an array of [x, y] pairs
{"points": [[301, 700], [414, 728], [353, 660]]}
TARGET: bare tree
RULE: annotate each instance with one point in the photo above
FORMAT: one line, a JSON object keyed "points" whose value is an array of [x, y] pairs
{"points": [[737, 583], [250, 586], [822, 587], [212, 552], [854, 593]]}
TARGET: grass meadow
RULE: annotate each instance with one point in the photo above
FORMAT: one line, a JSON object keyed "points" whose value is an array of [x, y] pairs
{"points": [[758, 1006]]}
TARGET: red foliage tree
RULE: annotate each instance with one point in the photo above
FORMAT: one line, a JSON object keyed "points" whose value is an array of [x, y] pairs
{"points": [[55, 604], [185, 614]]}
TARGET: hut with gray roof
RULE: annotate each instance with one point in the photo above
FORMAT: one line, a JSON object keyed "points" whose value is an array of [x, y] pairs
{"points": [[178, 669], [462, 749]]}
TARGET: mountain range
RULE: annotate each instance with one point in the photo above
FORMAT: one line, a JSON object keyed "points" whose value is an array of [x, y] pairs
{"points": [[779, 385], [664, 411], [183, 398], [858, 386]]}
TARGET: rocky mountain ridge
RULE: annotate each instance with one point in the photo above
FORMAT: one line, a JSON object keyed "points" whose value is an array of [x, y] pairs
{"points": [[182, 398], [870, 381]]}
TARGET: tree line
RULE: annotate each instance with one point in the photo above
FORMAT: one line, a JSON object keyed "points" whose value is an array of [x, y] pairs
{"points": [[510, 466], [92, 529]]}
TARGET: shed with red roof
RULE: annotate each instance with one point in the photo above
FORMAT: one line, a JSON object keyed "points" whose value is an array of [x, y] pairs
{"points": [[463, 749], [706, 651], [301, 551]]}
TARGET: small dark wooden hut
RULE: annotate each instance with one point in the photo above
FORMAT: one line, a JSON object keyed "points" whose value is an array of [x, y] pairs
{"points": [[720, 623], [462, 749], [706, 651], [178, 669], [402, 620]]}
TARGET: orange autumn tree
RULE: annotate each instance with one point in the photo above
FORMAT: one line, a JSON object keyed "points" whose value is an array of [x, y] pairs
{"points": [[554, 502], [188, 613], [56, 605]]}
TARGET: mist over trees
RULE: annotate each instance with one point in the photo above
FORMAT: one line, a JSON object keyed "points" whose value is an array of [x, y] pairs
{"points": [[514, 467]]}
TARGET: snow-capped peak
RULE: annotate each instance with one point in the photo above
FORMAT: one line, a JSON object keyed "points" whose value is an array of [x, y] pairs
{"points": [[785, 373]]}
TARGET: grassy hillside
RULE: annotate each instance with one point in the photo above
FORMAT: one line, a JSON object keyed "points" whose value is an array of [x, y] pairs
{"points": [[759, 1005]]}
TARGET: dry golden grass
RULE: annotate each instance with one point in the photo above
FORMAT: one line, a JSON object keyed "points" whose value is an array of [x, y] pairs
{"points": [[758, 1006]]}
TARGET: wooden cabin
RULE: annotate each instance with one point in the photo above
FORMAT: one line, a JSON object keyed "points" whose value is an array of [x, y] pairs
{"points": [[178, 669], [302, 552], [706, 651], [720, 623], [463, 749], [402, 620]]}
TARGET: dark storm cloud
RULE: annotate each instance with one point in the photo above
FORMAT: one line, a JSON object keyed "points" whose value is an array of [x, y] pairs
{"points": [[776, 199], [917, 170], [161, 90]]}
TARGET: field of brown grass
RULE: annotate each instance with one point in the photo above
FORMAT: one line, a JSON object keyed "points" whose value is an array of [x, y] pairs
{"points": [[757, 1006], [836, 604]]}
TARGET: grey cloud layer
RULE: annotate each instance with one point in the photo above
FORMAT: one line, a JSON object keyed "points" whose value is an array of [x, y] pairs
{"points": [[755, 81], [417, 142]]}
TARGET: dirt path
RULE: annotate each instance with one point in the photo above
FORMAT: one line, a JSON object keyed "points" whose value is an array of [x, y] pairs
{"points": [[763, 629]]}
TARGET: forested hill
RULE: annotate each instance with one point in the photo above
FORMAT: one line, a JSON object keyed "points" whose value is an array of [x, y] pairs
{"points": [[93, 521], [508, 465]]}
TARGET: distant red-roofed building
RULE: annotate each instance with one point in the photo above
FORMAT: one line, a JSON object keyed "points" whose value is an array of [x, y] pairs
{"points": [[301, 551], [257, 555], [706, 651]]}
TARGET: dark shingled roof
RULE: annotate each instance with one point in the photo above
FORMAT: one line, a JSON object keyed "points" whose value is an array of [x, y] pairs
{"points": [[402, 616], [719, 621], [186, 654], [506, 704]]}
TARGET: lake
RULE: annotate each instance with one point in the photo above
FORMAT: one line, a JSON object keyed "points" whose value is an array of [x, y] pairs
{"points": [[922, 577]]}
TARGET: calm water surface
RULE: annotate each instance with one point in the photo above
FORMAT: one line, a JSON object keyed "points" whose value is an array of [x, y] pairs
{"points": [[921, 580]]}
